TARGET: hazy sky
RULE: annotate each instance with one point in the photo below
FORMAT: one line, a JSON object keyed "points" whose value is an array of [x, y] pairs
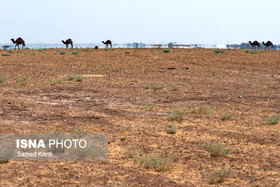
{"points": [[149, 21]]}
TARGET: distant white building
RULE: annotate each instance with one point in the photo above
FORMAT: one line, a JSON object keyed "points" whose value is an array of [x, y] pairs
{"points": [[221, 46]]}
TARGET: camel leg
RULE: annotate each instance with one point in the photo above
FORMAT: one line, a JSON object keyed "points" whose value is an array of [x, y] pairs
{"points": [[71, 45]]}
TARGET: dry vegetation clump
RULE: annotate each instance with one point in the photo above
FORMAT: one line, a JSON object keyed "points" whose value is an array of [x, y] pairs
{"points": [[158, 163], [219, 176], [217, 150]]}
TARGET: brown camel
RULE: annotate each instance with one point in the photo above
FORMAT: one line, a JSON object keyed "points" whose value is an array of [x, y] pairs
{"points": [[67, 42], [18, 42], [108, 42], [267, 44], [255, 43]]}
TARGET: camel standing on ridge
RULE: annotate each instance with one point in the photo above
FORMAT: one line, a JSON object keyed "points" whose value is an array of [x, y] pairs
{"points": [[108, 42], [267, 44], [255, 43], [67, 42], [18, 42]]}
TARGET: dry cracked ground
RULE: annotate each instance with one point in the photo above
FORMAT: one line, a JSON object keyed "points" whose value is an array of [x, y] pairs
{"points": [[133, 96]]}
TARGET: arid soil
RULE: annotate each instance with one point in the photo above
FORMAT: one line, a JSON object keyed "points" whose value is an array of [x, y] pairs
{"points": [[121, 96]]}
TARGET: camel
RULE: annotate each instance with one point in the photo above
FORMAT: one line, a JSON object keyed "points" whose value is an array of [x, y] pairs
{"points": [[18, 42], [67, 42], [267, 44], [108, 42], [255, 43]]}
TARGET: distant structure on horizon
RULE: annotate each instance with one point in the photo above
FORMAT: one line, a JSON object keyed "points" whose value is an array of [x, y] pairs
{"points": [[177, 45]]}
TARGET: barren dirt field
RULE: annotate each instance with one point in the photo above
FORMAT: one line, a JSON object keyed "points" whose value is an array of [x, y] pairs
{"points": [[131, 95]]}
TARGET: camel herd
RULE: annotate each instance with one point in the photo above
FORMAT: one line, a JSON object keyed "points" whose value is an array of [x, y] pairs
{"points": [[257, 44], [20, 41]]}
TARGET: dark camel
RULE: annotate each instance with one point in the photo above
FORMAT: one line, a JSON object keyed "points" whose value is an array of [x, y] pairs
{"points": [[67, 42], [108, 42], [255, 43], [18, 42], [267, 44]]}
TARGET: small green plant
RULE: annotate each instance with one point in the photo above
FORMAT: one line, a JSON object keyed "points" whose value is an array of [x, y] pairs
{"points": [[273, 120], [126, 128], [218, 51], [75, 53], [174, 88], [75, 76], [176, 114], [127, 52], [134, 80], [147, 107], [219, 176], [11, 51], [22, 80], [171, 129], [107, 49], [202, 109], [2, 80], [158, 163], [153, 87], [33, 54], [243, 71], [57, 82], [251, 51], [62, 52], [225, 117], [166, 51], [6, 54], [217, 150], [153, 50], [106, 68], [203, 51]]}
